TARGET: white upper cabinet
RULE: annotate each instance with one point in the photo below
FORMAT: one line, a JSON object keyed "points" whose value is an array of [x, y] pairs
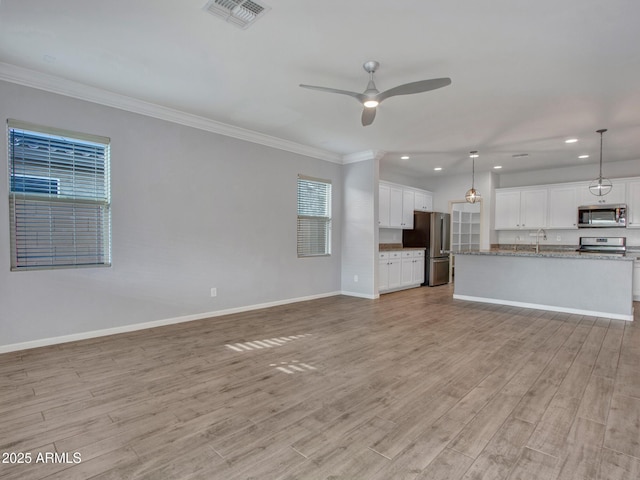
{"points": [[616, 195], [563, 206], [533, 208], [507, 210], [423, 201], [633, 204], [526, 207], [521, 208], [384, 205], [396, 205]]}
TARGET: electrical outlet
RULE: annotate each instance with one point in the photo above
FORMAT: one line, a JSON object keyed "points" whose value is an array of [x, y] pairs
{"points": [[214, 292], [558, 238], [355, 278]]}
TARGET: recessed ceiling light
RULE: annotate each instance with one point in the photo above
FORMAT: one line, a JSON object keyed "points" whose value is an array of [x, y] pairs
{"points": [[497, 167], [437, 169], [404, 157], [571, 140], [583, 156]]}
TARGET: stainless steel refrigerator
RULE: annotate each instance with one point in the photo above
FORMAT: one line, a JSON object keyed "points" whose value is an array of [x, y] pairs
{"points": [[431, 232]]}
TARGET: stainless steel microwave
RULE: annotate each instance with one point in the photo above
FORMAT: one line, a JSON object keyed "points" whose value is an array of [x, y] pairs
{"points": [[602, 216]]}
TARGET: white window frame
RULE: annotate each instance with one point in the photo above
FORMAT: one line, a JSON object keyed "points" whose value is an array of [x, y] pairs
{"points": [[69, 227], [314, 217]]}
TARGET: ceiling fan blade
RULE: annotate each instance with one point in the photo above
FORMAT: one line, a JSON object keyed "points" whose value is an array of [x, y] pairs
{"points": [[359, 96], [415, 87], [368, 114]]}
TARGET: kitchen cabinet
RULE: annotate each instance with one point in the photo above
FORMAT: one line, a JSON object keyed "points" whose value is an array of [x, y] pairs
{"points": [[390, 270], [408, 201], [633, 204], [396, 205], [390, 206], [521, 209], [412, 267], [616, 195], [423, 201], [400, 269], [384, 199], [563, 207], [636, 280]]}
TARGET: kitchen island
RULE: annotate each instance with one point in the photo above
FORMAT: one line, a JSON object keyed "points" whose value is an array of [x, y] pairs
{"points": [[581, 283]]}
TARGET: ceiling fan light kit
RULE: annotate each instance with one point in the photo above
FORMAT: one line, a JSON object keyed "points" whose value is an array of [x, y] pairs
{"points": [[372, 97], [472, 195], [600, 186]]}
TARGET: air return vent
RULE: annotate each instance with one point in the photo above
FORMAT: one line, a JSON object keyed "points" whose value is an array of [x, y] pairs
{"points": [[240, 13]]}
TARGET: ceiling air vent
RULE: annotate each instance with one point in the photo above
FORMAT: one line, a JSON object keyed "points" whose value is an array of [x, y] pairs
{"points": [[240, 13]]}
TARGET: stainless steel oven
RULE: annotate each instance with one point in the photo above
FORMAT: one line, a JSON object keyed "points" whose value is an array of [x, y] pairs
{"points": [[609, 245], [602, 216]]}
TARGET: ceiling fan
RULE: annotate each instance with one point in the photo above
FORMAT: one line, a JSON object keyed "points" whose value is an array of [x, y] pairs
{"points": [[372, 97]]}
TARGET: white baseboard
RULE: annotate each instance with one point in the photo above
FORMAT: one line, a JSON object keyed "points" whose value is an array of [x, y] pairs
{"points": [[550, 308], [45, 342], [359, 295]]}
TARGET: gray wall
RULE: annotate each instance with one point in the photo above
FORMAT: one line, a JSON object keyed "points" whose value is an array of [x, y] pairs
{"points": [[360, 229], [191, 210]]}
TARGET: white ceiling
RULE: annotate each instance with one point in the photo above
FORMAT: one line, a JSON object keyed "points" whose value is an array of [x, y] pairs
{"points": [[525, 75]]}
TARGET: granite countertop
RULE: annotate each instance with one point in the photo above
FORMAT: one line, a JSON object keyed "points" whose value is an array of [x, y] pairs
{"points": [[551, 254], [387, 247]]}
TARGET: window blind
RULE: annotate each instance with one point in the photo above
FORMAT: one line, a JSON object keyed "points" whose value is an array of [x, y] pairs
{"points": [[59, 198], [314, 217]]}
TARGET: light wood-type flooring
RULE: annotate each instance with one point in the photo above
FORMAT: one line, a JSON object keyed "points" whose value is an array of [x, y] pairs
{"points": [[414, 385]]}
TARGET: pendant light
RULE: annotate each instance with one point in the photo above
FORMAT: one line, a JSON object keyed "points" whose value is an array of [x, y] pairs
{"points": [[473, 195], [600, 186]]}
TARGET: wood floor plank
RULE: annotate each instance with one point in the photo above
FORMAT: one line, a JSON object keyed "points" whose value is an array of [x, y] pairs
{"points": [[580, 459], [596, 400], [500, 456], [448, 465], [618, 466], [534, 465], [340, 388], [623, 426]]}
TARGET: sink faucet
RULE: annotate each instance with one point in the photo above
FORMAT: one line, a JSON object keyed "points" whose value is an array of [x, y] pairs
{"points": [[544, 237]]}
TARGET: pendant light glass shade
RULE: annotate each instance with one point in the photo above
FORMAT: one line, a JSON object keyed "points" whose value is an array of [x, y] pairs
{"points": [[472, 195], [600, 186]]}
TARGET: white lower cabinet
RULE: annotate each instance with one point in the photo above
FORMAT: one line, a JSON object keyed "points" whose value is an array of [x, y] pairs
{"points": [[400, 269]]}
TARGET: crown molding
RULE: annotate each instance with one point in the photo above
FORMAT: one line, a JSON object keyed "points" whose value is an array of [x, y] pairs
{"points": [[362, 156], [50, 83]]}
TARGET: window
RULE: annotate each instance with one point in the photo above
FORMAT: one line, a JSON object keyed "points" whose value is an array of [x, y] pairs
{"points": [[59, 200], [314, 217]]}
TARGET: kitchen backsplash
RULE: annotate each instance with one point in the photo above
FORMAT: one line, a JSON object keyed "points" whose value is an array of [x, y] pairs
{"points": [[390, 235], [567, 237]]}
